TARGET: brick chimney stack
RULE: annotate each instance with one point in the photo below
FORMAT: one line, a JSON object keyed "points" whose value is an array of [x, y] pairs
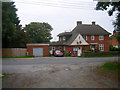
{"points": [[79, 23], [114, 33], [93, 22]]}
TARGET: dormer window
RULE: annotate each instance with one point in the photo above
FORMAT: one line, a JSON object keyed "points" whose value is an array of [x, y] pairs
{"points": [[101, 37], [60, 39], [85, 37], [92, 37], [64, 38]]}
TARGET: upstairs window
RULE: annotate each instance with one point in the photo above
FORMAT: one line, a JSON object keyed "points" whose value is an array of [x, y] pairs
{"points": [[85, 37], [64, 38], [60, 39], [101, 37], [92, 37]]}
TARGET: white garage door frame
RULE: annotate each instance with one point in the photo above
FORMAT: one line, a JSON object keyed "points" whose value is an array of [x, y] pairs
{"points": [[37, 51]]}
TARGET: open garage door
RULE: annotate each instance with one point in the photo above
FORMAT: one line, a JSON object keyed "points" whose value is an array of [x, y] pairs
{"points": [[37, 51]]}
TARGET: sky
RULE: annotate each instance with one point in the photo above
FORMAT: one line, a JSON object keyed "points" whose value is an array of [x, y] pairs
{"points": [[62, 15]]}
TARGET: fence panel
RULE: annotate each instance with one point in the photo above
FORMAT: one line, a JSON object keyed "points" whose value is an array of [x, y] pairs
{"points": [[14, 52]]}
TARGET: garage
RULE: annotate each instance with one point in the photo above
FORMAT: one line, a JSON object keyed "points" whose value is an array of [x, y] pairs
{"points": [[38, 50]]}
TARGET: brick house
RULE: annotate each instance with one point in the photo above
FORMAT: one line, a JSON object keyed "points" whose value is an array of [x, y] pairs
{"points": [[82, 38], [113, 40]]}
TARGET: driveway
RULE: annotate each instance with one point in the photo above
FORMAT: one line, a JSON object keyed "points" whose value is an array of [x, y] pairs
{"points": [[55, 72]]}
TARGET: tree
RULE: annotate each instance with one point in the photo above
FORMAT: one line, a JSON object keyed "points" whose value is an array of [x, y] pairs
{"points": [[20, 38], [115, 7], [9, 23], [39, 32]]}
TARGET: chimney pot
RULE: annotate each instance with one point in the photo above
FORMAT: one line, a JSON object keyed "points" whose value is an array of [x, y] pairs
{"points": [[79, 23], [93, 23]]}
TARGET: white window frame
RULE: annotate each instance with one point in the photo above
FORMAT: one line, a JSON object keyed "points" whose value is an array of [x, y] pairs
{"points": [[86, 37], [53, 47], [101, 37], [64, 48], [64, 38], [101, 47], [92, 37], [75, 49], [60, 39]]}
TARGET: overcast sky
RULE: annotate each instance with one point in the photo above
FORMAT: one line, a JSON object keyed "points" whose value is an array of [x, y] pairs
{"points": [[62, 15]]}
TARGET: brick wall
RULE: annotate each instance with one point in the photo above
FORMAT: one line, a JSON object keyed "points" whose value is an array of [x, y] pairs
{"points": [[113, 42], [96, 40], [45, 49]]}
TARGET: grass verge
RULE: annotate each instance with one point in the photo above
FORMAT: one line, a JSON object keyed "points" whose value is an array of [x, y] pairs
{"points": [[4, 75], [113, 65], [19, 57]]}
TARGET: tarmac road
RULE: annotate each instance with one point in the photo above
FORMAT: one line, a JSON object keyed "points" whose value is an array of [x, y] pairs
{"points": [[55, 60], [55, 72]]}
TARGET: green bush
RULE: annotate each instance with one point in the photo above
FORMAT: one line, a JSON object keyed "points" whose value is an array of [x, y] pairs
{"points": [[89, 51], [111, 53], [115, 65], [97, 50], [113, 48], [66, 54]]}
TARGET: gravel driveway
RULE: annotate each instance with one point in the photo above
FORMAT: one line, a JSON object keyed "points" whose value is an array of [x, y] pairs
{"points": [[74, 73]]}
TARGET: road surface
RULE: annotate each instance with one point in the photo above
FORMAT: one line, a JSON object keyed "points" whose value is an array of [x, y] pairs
{"points": [[55, 72]]}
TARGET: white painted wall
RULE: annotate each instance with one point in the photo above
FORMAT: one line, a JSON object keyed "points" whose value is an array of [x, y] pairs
{"points": [[78, 40]]}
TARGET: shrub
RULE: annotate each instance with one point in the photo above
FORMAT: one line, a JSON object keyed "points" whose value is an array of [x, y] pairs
{"points": [[114, 65], [111, 53], [89, 51], [66, 54], [113, 48]]}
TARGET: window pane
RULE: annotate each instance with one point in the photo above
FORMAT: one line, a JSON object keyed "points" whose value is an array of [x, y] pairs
{"points": [[92, 37]]}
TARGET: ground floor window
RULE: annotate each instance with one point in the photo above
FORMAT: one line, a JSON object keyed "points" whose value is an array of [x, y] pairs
{"points": [[74, 48], [101, 47], [64, 48], [60, 47], [52, 48], [92, 47]]}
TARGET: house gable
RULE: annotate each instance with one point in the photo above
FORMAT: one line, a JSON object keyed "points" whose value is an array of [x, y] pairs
{"points": [[79, 40]]}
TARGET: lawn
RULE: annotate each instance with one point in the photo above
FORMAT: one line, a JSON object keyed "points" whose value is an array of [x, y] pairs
{"points": [[113, 65], [19, 57], [4, 75]]}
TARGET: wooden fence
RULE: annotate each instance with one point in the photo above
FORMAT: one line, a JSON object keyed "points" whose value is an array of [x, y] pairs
{"points": [[14, 52]]}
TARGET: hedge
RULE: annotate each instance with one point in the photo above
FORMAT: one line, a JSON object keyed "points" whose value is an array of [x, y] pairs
{"points": [[111, 53]]}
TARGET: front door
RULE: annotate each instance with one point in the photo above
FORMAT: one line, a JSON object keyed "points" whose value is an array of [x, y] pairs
{"points": [[79, 51]]}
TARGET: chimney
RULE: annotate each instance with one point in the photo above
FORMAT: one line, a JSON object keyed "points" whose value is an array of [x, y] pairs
{"points": [[79, 23], [93, 23], [114, 33]]}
